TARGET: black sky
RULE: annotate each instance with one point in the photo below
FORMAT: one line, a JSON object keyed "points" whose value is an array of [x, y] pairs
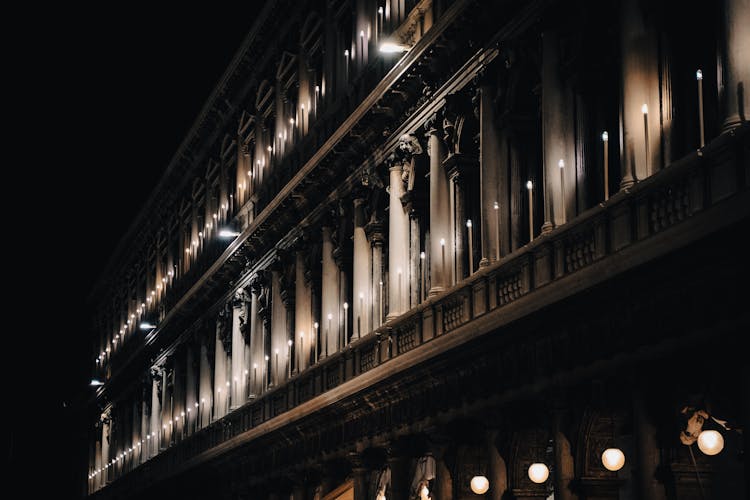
{"points": [[115, 89]]}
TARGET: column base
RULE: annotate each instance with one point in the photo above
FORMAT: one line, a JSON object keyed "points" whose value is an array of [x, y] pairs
{"points": [[435, 290], [486, 262], [547, 227]]}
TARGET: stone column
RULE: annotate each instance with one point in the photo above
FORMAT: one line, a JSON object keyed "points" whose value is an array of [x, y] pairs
{"points": [[489, 160], [329, 321], [145, 451], [458, 218], [443, 480], [359, 477], [400, 480], [191, 397], [564, 465], [303, 321], [362, 286], [105, 451], [205, 391], [647, 453], [156, 421], [640, 85], [220, 371], [166, 410], [497, 472], [736, 63], [414, 277], [441, 244], [557, 126], [239, 390], [257, 361], [398, 246], [279, 337], [376, 236]]}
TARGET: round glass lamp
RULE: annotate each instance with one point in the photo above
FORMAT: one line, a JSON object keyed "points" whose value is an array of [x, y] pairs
{"points": [[710, 442], [479, 485], [613, 459], [538, 473]]}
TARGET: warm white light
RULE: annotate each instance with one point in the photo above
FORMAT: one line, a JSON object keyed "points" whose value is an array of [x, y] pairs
{"points": [[245, 372], [496, 206], [203, 400], [442, 242], [227, 383], [424, 492], [182, 413], [227, 233], [302, 107], [196, 404], [316, 325], [267, 356], [147, 326], [165, 425], [361, 33], [699, 75], [613, 459], [269, 149], [392, 48], [132, 315], [644, 109], [255, 365], [250, 173], [291, 121], [346, 304], [330, 316], [605, 136], [107, 350], [710, 442], [468, 223], [200, 235], [421, 255], [148, 436], [346, 53], [361, 295], [317, 88], [96, 382], [188, 410], [561, 163], [479, 485], [289, 342], [529, 185], [276, 351], [380, 10], [216, 216], [538, 473]]}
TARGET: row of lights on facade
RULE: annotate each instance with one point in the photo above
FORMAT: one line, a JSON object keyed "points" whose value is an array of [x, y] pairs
{"points": [[710, 442]]}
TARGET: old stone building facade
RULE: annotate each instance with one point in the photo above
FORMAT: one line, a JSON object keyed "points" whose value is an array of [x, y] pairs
{"points": [[441, 249]]}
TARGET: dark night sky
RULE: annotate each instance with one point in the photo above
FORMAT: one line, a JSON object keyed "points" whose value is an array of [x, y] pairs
{"points": [[117, 90]]}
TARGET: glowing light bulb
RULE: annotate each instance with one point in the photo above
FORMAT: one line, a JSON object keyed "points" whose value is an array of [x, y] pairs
{"points": [[613, 459], [468, 223], [496, 206], [291, 121], [421, 255], [346, 304], [266, 356], [330, 316], [605, 136], [269, 149], [644, 109], [316, 325], [255, 365], [699, 75], [529, 185], [710, 442], [442, 242], [538, 473], [561, 163], [479, 485], [346, 53]]}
